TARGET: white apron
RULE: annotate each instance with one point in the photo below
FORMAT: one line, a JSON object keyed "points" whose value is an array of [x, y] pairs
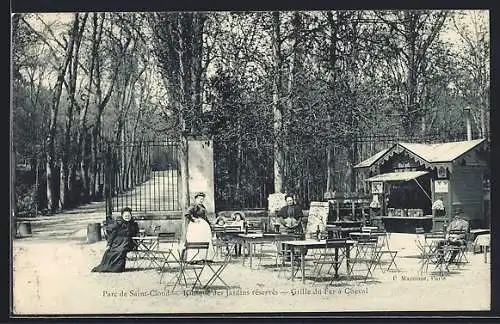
{"points": [[199, 231]]}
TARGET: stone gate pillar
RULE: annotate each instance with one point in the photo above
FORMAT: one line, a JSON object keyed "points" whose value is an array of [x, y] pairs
{"points": [[201, 171]]}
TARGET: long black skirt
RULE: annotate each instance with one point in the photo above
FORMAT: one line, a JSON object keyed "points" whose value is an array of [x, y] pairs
{"points": [[113, 260]]}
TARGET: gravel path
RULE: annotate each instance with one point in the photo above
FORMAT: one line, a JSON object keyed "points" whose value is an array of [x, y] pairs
{"points": [[51, 275]]}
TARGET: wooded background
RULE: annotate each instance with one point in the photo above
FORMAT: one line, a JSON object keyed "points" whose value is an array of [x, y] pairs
{"points": [[292, 100]]}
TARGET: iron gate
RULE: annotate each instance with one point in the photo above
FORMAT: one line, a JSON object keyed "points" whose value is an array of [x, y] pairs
{"points": [[143, 176]]}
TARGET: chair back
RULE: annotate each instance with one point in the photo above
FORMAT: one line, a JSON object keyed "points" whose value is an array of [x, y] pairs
{"points": [[335, 241], [199, 251], [334, 232], [167, 237], [460, 232], [368, 229], [232, 229], [252, 226], [379, 232], [196, 245], [435, 236], [330, 242], [367, 240]]}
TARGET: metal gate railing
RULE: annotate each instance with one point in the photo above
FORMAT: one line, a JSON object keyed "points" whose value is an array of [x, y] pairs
{"points": [[143, 176]]}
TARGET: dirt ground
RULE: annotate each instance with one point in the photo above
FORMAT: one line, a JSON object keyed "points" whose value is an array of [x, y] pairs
{"points": [[51, 275]]}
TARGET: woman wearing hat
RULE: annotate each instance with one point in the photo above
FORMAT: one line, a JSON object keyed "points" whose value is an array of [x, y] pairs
{"points": [[197, 225], [119, 243]]}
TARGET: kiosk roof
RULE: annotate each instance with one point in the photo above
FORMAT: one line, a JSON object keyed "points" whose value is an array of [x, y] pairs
{"points": [[397, 176]]}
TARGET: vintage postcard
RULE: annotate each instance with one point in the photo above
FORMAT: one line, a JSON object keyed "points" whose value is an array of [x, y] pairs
{"points": [[217, 162]]}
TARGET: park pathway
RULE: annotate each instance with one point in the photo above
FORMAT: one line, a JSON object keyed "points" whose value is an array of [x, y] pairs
{"points": [[72, 224]]}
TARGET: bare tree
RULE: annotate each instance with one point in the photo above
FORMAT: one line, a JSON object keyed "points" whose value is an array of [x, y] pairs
{"points": [[50, 141], [66, 181]]}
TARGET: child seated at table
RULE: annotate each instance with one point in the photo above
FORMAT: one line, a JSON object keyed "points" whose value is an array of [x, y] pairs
{"points": [[238, 220]]}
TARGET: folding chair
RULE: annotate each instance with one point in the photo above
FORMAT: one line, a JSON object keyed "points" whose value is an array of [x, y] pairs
{"points": [[461, 255], [327, 257], [366, 254], [268, 249], [142, 251], [433, 252], [227, 237], [192, 258], [165, 255], [217, 267], [284, 258], [384, 249]]}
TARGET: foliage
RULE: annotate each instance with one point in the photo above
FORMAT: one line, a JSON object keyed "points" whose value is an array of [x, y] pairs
{"points": [[350, 83]]}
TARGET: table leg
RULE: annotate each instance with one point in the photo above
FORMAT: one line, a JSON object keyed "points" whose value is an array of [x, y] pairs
{"points": [[347, 258], [250, 253], [291, 262], [485, 249], [336, 265], [244, 254], [302, 261]]}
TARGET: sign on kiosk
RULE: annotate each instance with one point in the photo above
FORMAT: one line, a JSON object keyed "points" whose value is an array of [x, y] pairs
{"points": [[441, 186]]}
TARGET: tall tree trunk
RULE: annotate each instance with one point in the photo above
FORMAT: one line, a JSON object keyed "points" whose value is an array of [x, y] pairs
{"points": [[66, 181], [330, 170], [279, 158], [102, 101], [93, 161], [50, 141], [411, 81], [330, 147], [179, 44], [82, 129], [196, 66]]}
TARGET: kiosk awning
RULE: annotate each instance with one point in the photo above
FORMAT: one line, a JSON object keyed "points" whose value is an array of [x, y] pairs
{"points": [[397, 176]]}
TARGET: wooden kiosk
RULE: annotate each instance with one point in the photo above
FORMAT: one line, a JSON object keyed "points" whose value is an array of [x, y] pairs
{"points": [[409, 177]]}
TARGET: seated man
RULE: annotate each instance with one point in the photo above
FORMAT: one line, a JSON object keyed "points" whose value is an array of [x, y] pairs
{"points": [[456, 233]]}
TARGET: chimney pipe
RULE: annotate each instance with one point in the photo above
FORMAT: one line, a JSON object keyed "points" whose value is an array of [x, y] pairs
{"points": [[467, 123]]}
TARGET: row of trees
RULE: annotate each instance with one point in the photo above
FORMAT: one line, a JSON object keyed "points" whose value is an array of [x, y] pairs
{"points": [[286, 96]]}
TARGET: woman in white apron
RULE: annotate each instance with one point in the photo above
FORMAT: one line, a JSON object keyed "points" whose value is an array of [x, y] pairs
{"points": [[198, 229]]}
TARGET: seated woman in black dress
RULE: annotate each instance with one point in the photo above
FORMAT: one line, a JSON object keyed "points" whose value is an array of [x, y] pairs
{"points": [[119, 243]]}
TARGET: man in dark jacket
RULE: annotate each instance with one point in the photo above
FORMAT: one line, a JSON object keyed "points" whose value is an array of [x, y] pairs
{"points": [[456, 234]]}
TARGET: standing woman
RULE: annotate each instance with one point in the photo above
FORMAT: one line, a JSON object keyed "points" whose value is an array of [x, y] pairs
{"points": [[119, 243], [198, 227]]}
